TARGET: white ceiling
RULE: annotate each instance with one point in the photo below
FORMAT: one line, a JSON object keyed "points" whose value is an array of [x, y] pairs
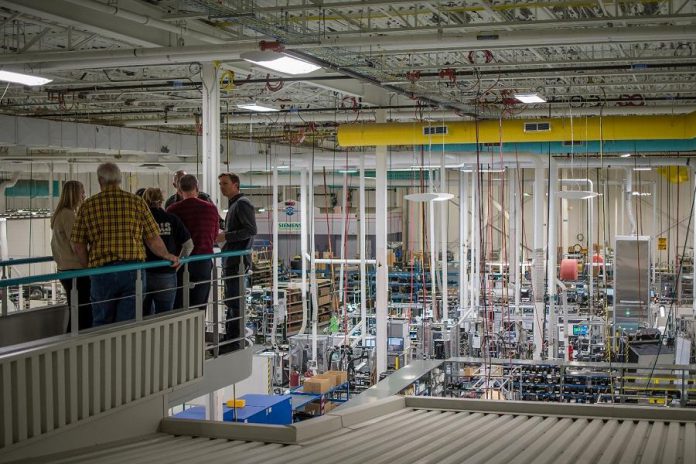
{"points": [[137, 63]]}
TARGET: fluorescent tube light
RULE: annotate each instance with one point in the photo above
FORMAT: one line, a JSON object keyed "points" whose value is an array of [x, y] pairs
{"points": [[483, 170], [576, 194], [279, 62], [435, 166], [25, 79], [255, 107], [426, 197], [347, 171], [529, 98], [626, 155], [641, 194], [642, 168]]}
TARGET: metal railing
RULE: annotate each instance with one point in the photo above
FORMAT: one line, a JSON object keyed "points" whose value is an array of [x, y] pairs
{"points": [[225, 314]]}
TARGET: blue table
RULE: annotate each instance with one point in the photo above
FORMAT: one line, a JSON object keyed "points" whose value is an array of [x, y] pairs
{"points": [[259, 409]]}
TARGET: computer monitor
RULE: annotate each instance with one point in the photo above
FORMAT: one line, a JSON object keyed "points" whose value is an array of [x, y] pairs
{"points": [[580, 329], [395, 344]]}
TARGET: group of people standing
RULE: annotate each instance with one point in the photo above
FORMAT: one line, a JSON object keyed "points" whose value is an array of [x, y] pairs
{"points": [[116, 227]]}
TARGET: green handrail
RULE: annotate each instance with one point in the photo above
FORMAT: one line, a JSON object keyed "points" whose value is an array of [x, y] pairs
{"points": [[18, 261], [117, 268]]}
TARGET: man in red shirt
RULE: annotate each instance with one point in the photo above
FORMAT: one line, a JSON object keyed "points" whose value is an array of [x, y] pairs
{"points": [[201, 218]]}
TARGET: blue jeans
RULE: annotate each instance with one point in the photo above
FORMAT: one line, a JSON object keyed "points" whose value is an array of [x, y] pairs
{"points": [[160, 292], [119, 289]]}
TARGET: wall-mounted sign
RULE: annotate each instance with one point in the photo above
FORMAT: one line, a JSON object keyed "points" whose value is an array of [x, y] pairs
{"points": [[662, 243], [289, 227]]}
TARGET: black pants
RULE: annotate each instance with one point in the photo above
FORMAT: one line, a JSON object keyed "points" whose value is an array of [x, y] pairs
{"points": [[199, 273], [235, 328], [84, 308]]}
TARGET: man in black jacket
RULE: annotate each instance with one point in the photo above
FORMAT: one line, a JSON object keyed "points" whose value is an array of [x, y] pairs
{"points": [[239, 232]]}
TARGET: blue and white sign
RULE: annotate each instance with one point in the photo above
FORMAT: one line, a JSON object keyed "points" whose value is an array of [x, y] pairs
{"points": [[289, 210]]}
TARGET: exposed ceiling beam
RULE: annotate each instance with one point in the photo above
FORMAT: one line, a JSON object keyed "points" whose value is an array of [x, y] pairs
{"points": [[86, 19], [394, 43]]}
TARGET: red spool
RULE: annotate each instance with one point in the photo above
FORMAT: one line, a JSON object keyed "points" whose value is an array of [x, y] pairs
{"points": [[569, 269]]}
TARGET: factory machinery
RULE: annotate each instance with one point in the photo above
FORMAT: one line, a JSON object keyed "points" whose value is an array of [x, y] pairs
{"points": [[609, 317]]}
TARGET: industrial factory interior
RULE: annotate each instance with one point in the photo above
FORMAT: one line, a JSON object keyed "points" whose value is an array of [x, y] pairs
{"points": [[356, 231]]}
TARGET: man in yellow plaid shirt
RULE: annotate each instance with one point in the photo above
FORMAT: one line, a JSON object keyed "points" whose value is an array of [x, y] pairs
{"points": [[113, 227]]}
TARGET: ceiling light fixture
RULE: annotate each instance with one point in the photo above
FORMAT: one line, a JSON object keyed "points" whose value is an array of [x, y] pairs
{"points": [[483, 170], [257, 108], [279, 62], [426, 197], [529, 98], [641, 194], [435, 167], [626, 155], [642, 168], [25, 79]]}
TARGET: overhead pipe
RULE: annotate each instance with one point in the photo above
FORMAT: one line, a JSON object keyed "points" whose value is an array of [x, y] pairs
{"points": [[146, 21], [259, 172], [509, 39], [366, 115], [428, 41]]}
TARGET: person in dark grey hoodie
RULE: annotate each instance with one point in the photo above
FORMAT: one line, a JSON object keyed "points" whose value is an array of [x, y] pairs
{"points": [[240, 229]]}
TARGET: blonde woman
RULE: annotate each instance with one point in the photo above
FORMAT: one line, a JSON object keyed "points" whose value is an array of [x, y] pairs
{"points": [[71, 198]]}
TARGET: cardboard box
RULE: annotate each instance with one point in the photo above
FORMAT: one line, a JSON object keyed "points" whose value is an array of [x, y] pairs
{"points": [[314, 408], [317, 385], [341, 376], [468, 371], [331, 377], [324, 300]]}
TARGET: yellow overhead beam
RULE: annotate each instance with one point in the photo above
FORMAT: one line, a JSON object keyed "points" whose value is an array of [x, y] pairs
{"points": [[676, 127]]}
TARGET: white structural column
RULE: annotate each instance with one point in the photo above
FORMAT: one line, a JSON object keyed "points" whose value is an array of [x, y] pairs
{"points": [[475, 245], [211, 131], [514, 257], [463, 243], [565, 218], [362, 240], [444, 224], [303, 245], [381, 252], [693, 228], [344, 219], [312, 263], [538, 269], [433, 246], [551, 266], [276, 308]]}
